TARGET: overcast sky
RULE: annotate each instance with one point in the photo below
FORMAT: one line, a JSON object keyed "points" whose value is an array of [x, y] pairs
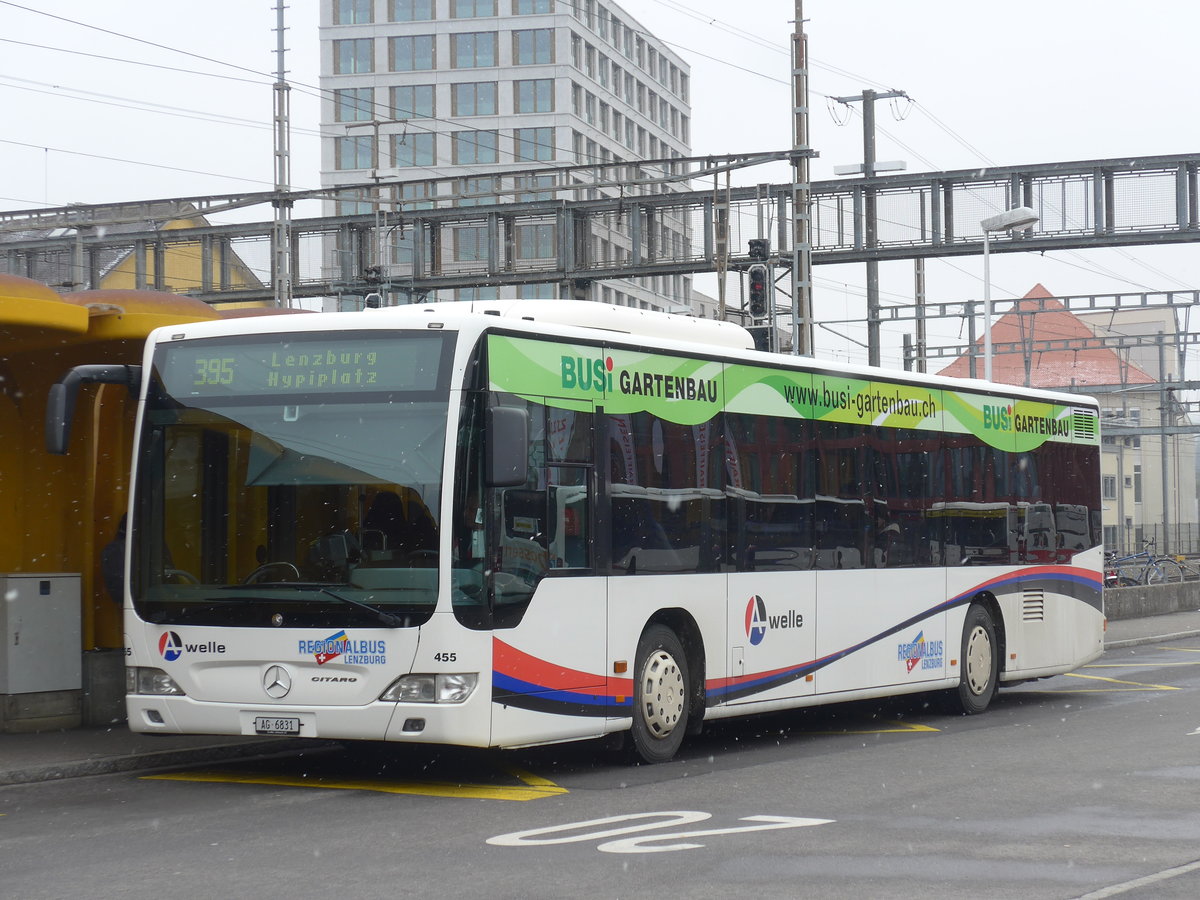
{"points": [[993, 84]]}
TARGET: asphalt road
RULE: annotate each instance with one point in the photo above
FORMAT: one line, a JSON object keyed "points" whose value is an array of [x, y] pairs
{"points": [[1082, 785]]}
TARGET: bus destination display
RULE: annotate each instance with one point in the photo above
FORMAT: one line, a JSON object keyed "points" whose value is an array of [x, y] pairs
{"points": [[370, 363]]}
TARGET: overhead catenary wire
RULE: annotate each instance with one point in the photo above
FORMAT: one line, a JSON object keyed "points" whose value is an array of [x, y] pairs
{"points": [[780, 81], [132, 161], [725, 27], [55, 90], [134, 62], [129, 37], [299, 86]]}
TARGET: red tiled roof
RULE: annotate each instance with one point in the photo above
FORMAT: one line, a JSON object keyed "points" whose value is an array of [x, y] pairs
{"points": [[1047, 321]]}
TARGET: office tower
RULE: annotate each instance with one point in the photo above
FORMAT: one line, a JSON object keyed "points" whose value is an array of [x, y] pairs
{"points": [[474, 102]]}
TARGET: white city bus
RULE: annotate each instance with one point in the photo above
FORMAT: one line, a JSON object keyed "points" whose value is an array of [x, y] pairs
{"points": [[506, 524]]}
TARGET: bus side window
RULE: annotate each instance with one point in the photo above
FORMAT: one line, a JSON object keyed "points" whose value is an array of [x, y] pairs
{"points": [[544, 524], [569, 536], [666, 493], [521, 510]]}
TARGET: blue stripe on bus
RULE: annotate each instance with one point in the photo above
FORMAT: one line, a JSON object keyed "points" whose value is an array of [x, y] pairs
{"points": [[1081, 584], [511, 691], [1076, 583]]}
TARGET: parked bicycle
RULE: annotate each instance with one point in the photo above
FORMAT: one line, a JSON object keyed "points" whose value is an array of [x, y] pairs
{"points": [[1188, 567], [1143, 567]]}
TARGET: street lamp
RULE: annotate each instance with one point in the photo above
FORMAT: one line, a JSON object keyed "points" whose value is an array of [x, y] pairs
{"points": [[1010, 220]]}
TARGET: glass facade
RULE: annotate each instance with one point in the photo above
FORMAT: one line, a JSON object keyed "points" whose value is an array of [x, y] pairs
{"points": [[532, 144], [353, 12], [473, 50], [413, 150], [411, 10], [414, 101], [478, 98], [533, 96], [533, 47], [355, 152], [409, 53], [353, 57], [354, 104], [475, 147], [472, 9]]}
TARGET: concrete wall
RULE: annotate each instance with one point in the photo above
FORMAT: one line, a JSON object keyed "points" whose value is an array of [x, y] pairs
{"points": [[1151, 600]]}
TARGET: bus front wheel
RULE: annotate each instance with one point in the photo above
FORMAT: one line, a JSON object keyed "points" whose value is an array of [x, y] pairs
{"points": [[979, 664], [660, 696]]}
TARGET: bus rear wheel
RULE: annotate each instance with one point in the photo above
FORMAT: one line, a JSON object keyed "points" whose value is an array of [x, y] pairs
{"points": [[661, 694], [979, 664]]}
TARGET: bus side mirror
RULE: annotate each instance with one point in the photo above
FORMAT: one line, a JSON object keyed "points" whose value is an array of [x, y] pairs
{"points": [[507, 443], [60, 405]]}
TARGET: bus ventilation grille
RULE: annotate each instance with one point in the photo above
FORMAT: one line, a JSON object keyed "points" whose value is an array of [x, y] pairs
{"points": [[1083, 424], [1033, 609]]}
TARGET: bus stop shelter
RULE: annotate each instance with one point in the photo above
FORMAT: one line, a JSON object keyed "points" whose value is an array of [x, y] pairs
{"points": [[61, 651]]}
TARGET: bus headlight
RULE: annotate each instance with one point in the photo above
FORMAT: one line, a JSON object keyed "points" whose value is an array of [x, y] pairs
{"points": [[141, 680], [441, 688]]}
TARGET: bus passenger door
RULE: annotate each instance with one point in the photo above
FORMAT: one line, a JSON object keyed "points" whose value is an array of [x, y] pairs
{"points": [[549, 606]]}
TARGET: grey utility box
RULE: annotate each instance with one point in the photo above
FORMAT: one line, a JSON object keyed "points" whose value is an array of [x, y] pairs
{"points": [[40, 629]]}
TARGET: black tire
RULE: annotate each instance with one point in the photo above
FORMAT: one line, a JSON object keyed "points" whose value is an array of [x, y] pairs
{"points": [[661, 695], [1172, 571], [1153, 574], [1129, 577], [979, 664]]}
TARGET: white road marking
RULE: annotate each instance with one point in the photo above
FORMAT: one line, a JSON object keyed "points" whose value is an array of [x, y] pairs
{"points": [[583, 831], [1164, 875]]}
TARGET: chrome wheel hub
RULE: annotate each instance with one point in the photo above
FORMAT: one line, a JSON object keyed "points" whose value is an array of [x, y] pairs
{"points": [[662, 693], [978, 660]]}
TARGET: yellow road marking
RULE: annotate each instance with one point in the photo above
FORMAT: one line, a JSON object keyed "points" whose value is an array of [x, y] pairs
{"points": [[532, 787], [1140, 665], [900, 728], [533, 780], [1133, 685]]}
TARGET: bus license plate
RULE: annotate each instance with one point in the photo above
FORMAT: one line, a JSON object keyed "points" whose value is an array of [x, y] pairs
{"points": [[271, 725]]}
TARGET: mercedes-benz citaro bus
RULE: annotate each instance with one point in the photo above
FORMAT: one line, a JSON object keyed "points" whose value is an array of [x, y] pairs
{"points": [[516, 523]]}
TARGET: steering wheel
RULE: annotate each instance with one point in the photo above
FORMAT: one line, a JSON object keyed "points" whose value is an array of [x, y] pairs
{"points": [[266, 567], [415, 556], [181, 575]]}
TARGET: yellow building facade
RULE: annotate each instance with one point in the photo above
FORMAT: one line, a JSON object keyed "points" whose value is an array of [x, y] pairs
{"points": [[58, 512]]}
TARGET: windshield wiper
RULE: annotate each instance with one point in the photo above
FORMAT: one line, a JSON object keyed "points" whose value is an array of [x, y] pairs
{"points": [[385, 617]]}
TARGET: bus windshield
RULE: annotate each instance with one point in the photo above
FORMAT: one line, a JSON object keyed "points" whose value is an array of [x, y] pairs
{"points": [[292, 480]]}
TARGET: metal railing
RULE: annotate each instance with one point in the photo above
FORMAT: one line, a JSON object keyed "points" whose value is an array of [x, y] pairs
{"points": [[420, 240]]}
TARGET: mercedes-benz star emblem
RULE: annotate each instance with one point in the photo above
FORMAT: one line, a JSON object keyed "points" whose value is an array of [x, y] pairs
{"points": [[277, 682]]}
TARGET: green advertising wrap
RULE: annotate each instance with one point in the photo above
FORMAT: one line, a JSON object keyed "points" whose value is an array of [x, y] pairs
{"points": [[690, 391]]}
